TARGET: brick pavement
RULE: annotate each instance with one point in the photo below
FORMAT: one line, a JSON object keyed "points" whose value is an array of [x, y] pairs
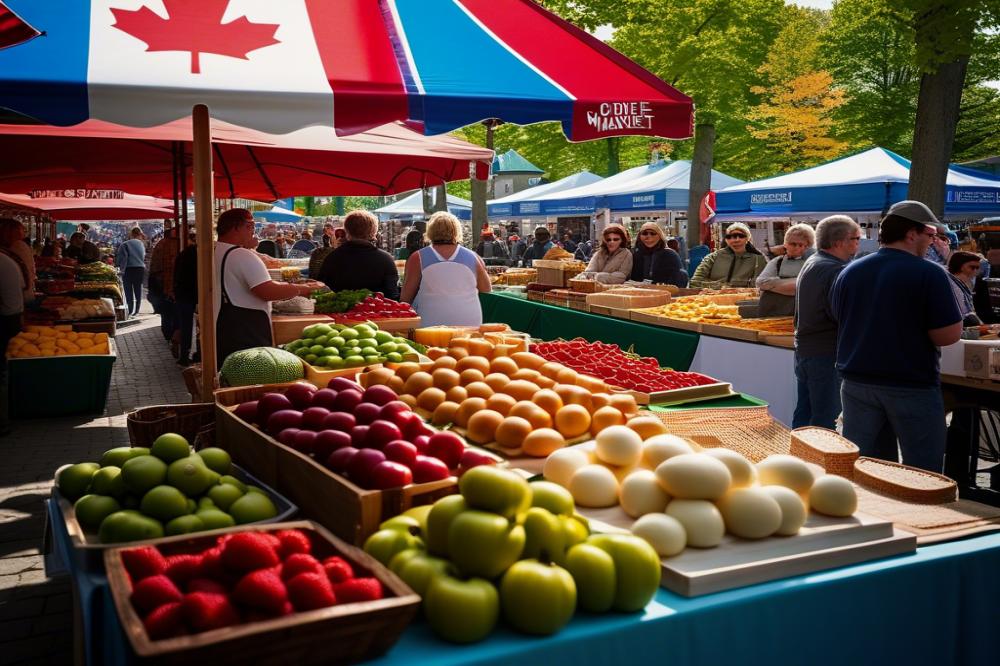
{"points": [[36, 625]]}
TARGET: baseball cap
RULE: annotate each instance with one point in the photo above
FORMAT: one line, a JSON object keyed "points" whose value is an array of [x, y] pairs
{"points": [[915, 212]]}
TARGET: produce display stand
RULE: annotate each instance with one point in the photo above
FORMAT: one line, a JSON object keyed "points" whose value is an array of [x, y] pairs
{"points": [[286, 328], [87, 378]]}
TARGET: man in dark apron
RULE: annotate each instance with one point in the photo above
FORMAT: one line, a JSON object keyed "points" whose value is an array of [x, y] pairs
{"points": [[245, 288]]}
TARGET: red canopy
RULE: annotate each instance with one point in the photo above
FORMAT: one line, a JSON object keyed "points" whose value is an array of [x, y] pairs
{"points": [[131, 207], [248, 163]]}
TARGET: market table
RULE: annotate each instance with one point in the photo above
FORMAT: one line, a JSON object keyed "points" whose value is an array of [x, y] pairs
{"points": [[966, 398]]}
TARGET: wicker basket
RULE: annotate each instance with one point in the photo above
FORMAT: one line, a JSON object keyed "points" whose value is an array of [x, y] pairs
{"points": [[826, 448], [339, 634], [904, 482], [148, 423]]}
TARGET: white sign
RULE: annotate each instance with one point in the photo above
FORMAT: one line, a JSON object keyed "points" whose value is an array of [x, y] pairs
{"points": [[77, 194], [771, 198]]}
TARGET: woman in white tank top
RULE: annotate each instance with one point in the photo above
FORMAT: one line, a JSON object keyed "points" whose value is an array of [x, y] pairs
{"points": [[443, 280]]}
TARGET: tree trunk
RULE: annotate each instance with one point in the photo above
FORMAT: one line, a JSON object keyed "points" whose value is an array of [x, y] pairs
{"points": [[701, 179], [934, 134], [479, 219], [614, 145], [427, 200], [441, 197]]}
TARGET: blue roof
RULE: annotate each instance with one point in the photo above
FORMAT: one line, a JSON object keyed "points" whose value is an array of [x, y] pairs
{"points": [[512, 162], [413, 205]]}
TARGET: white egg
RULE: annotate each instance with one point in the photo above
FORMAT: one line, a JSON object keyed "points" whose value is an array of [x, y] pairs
{"points": [[640, 493], [594, 486], [702, 521], [694, 476], [742, 469], [562, 463], [658, 448], [833, 496], [664, 533], [793, 509], [785, 470], [750, 513], [619, 445]]}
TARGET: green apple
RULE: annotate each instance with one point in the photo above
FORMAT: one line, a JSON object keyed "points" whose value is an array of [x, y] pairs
{"points": [[384, 544], [544, 537], [461, 611], [637, 569], [402, 522], [537, 597], [593, 570], [484, 544], [552, 496], [417, 568], [439, 520], [492, 488], [574, 531], [420, 513]]}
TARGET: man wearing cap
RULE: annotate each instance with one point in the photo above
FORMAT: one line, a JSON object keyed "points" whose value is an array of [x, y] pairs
{"points": [[537, 249], [894, 310]]}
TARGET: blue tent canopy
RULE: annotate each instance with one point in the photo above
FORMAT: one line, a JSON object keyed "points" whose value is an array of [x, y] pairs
{"points": [[412, 206], [868, 182], [278, 214], [511, 205], [659, 186]]}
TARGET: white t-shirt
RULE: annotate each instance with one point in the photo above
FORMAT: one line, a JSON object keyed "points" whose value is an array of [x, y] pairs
{"points": [[11, 287], [244, 271]]}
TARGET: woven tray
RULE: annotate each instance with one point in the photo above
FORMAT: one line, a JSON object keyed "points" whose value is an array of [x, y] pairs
{"points": [[748, 430], [903, 482], [932, 523], [826, 448]]}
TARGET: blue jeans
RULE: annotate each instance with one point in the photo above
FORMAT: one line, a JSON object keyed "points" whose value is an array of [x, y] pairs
{"points": [[818, 402], [875, 417], [132, 279]]}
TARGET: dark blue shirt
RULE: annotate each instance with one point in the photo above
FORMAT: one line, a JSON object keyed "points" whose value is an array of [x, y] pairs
{"points": [[815, 327], [884, 304]]}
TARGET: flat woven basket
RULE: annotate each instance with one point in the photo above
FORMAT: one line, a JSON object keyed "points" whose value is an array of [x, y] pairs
{"points": [[904, 482], [148, 423], [747, 430], [826, 448]]}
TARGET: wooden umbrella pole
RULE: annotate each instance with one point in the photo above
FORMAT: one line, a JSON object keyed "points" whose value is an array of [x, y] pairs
{"points": [[202, 152], [185, 226]]}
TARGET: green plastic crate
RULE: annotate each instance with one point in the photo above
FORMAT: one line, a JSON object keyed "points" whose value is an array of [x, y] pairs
{"points": [[59, 385]]}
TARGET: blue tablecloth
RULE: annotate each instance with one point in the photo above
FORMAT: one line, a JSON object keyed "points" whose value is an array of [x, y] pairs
{"points": [[936, 606]]}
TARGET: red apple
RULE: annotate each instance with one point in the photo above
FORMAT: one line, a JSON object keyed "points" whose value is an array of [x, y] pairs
{"points": [[427, 469], [359, 434], [359, 470], [388, 474], [247, 411], [283, 418], [287, 436], [447, 447], [340, 459], [473, 458], [347, 400], [301, 394], [366, 412], [270, 403], [324, 398], [339, 421], [420, 428], [410, 424], [305, 441], [381, 433], [421, 442], [328, 441], [395, 411], [312, 418], [401, 451], [342, 384], [380, 395]]}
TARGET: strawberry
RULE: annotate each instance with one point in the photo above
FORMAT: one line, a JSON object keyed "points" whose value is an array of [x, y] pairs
{"points": [[152, 592], [262, 590], [182, 568], [358, 589], [297, 563], [248, 551], [338, 569], [309, 591], [292, 541], [274, 540], [211, 564], [206, 585], [143, 562], [204, 611], [166, 621]]}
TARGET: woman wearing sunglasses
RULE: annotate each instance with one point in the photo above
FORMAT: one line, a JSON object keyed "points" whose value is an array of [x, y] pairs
{"points": [[612, 262], [736, 265], [652, 260]]}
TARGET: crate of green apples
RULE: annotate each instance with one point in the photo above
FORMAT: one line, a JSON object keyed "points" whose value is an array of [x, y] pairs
{"points": [[135, 494]]}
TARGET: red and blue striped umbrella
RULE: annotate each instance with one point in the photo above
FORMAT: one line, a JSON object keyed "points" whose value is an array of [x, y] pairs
{"points": [[348, 64]]}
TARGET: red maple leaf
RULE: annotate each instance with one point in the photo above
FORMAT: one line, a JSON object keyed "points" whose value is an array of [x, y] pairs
{"points": [[195, 26]]}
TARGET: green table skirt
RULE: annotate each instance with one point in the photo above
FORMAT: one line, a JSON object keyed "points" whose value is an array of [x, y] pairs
{"points": [[673, 349]]}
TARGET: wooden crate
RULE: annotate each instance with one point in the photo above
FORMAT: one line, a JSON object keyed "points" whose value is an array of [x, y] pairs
{"points": [[731, 332], [683, 395], [349, 511], [338, 634], [551, 276], [628, 299], [666, 322], [286, 328]]}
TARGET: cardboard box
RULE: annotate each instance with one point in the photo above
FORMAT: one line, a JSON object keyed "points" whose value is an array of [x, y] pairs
{"points": [[977, 357]]}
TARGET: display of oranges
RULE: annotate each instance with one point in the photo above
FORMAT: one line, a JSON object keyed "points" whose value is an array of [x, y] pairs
{"points": [[43, 341]]}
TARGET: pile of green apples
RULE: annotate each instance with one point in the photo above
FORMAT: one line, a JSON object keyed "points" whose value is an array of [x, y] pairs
{"points": [[337, 346], [138, 493], [507, 547]]}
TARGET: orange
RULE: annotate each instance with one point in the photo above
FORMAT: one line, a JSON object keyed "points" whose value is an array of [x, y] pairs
{"points": [[528, 360], [483, 426], [532, 413], [445, 413], [500, 402], [410, 400], [417, 382], [470, 375], [548, 400], [446, 362], [546, 382], [404, 370], [434, 353], [465, 410], [445, 378], [647, 426], [527, 374], [458, 352], [599, 400], [504, 365], [624, 403], [592, 384], [396, 384], [430, 398], [497, 380], [567, 376], [551, 369], [542, 442], [604, 417], [575, 395], [512, 431], [474, 363], [572, 420], [480, 347], [479, 390], [457, 394], [521, 389]]}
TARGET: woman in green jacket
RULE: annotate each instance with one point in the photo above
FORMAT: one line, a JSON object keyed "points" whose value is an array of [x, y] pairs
{"points": [[736, 265]]}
